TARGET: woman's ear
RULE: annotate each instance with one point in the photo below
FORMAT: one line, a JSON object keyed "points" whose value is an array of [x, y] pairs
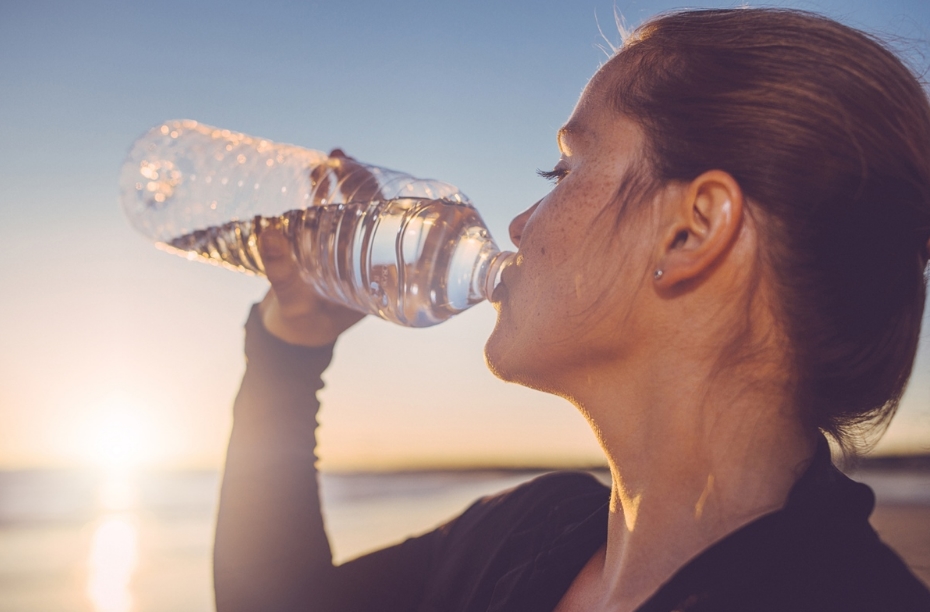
{"points": [[704, 222]]}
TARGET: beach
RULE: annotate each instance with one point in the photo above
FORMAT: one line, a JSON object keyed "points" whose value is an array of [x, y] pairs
{"points": [[77, 541]]}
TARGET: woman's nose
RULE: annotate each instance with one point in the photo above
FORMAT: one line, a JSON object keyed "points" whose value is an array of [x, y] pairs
{"points": [[518, 223]]}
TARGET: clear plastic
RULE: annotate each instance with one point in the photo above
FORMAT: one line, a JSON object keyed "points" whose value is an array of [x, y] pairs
{"points": [[409, 250]]}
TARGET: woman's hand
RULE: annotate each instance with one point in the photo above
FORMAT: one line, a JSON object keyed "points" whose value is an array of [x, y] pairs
{"points": [[292, 310]]}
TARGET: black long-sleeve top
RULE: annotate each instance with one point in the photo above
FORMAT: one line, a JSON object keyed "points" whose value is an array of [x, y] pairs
{"points": [[516, 551]]}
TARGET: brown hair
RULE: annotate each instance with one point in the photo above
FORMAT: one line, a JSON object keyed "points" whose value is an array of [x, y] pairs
{"points": [[828, 134]]}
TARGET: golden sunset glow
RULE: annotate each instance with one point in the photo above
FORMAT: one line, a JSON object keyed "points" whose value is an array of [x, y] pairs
{"points": [[122, 355], [120, 436], [111, 563]]}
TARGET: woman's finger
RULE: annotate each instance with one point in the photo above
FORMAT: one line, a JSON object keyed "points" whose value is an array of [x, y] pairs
{"points": [[342, 176], [295, 296], [293, 310]]}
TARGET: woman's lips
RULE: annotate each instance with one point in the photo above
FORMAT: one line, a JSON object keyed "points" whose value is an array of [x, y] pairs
{"points": [[499, 292], [506, 277]]}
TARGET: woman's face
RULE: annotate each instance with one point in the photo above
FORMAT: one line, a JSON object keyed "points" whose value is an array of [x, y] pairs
{"points": [[569, 303]]}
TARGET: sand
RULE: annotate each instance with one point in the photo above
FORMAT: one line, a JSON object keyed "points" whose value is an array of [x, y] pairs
{"points": [[906, 528]]}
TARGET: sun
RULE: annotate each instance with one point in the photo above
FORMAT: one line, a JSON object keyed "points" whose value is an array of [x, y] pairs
{"points": [[120, 436]]}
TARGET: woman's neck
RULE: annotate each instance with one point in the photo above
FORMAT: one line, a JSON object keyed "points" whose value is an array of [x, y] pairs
{"points": [[690, 465]]}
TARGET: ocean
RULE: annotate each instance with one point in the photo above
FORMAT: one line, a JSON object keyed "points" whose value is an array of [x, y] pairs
{"points": [[81, 541]]}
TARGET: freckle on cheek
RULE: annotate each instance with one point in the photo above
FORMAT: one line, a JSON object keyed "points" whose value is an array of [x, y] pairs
{"points": [[543, 250]]}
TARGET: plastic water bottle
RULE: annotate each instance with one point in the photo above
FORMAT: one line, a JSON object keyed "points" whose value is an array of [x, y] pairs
{"points": [[409, 250]]}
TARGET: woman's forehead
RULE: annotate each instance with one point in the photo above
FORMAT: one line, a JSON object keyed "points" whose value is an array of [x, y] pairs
{"points": [[616, 66], [603, 86], [595, 116]]}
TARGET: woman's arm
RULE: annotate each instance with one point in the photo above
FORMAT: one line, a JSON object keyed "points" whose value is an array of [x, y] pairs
{"points": [[271, 550], [269, 536]]}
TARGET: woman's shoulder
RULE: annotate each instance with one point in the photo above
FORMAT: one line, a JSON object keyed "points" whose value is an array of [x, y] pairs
{"points": [[555, 485], [832, 552], [855, 567], [855, 573], [819, 552], [536, 500], [504, 535], [553, 489]]}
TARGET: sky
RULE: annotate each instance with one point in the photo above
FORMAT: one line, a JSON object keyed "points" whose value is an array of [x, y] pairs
{"points": [[112, 351]]}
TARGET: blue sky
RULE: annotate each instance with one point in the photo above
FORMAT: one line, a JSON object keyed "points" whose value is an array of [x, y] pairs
{"points": [[94, 322]]}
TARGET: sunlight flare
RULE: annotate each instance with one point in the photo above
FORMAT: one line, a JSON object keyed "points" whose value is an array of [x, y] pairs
{"points": [[120, 437], [112, 562]]}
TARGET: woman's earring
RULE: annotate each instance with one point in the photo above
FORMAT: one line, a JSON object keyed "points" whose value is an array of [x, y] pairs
{"points": [[657, 274]]}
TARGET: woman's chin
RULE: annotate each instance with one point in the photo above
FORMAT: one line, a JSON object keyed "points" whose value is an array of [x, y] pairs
{"points": [[502, 354], [494, 356], [509, 362]]}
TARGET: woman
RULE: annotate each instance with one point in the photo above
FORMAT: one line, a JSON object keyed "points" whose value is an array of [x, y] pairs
{"points": [[731, 264]]}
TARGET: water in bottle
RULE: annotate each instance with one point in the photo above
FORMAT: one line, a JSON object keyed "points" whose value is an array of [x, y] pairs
{"points": [[412, 251]]}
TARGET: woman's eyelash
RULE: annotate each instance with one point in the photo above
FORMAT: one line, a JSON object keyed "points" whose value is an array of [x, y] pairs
{"points": [[555, 175]]}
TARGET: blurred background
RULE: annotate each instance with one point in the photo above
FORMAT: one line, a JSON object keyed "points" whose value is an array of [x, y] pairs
{"points": [[119, 362]]}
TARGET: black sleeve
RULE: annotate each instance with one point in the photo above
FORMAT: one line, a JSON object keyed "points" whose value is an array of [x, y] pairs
{"points": [[271, 551]]}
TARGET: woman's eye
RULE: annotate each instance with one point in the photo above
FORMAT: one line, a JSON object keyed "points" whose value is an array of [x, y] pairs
{"points": [[555, 175]]}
